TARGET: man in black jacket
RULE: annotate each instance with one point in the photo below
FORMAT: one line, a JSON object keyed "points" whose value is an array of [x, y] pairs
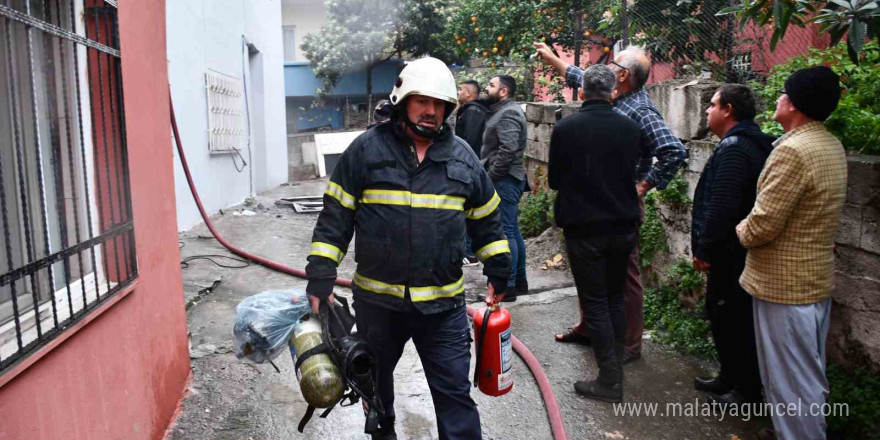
{"points": [[470, 120], [724, 196], [593, 157]]}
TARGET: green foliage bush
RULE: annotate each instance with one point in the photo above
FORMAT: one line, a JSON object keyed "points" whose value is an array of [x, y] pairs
{"points": [[859, 390], [676, 192], [676, 326], [652, 236], [536, 212], [856, 122]]}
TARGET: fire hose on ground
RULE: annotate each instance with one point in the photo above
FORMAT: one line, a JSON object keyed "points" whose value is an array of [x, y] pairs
{"points": [[556, 423]]}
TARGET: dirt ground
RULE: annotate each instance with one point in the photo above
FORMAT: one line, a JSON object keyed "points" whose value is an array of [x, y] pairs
{"points": [[232, 399]]}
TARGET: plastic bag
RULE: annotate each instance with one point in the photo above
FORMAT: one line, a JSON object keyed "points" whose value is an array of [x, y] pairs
{"points": [[265, 321]]}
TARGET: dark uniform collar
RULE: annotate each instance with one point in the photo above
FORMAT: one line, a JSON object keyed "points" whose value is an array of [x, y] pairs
{"points": [[439, 151]]}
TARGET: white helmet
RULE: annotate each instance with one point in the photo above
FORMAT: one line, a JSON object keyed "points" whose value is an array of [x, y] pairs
{"points": [[427, 77]]}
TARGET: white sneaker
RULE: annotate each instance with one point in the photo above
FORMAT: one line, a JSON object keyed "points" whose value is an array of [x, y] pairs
{"points": [[468, 262]]}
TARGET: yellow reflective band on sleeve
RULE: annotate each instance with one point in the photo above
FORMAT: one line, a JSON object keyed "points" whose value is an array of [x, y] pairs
{"points": [[327, 250], [428, 293], [374, 286], [406, 198], [344, 198], [485, 210], [492, 249]]}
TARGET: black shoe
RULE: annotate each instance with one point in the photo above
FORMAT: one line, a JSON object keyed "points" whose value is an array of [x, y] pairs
{"points": [[522, 286], [629, 357], [731, 398], [712, 385], [385, 433], [597, 391], [766, 434], [510, 296]]}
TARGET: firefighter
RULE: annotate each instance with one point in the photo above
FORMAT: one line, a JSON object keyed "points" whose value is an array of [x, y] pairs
{"points": [[411, 190]]}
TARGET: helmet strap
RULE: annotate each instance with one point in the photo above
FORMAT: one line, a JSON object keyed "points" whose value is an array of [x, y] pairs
{"points": [[424, 132]]}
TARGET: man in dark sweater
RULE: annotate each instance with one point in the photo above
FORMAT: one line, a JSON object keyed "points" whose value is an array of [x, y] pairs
{"points": [[724, 196], [593, 157]]}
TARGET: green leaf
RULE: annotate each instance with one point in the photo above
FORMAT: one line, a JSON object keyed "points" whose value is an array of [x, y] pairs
{"points": [[853, 55], [778, 10], [841, 3], [775, 39], [787, 10], [857, 33], [836, 34], [728, 10]]}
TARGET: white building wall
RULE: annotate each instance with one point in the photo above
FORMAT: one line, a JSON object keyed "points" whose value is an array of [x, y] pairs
{"points": [[239, 38], [308, 17]]}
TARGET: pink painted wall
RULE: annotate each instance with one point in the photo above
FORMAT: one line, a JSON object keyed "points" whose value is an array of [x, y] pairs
{"points": [[122, 375]]}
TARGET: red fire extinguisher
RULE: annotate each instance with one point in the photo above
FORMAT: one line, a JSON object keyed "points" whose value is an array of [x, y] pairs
{"points": [[493, 372]]}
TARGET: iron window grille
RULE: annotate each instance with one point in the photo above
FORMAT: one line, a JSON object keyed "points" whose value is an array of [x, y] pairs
{"points": [[68, 239]]}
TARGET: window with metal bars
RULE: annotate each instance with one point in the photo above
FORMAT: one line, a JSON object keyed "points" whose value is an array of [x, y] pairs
{"points": [[67, 240]]}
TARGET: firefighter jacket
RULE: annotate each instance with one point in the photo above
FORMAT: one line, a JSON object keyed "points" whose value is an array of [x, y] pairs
{"points": [[409, 220]]}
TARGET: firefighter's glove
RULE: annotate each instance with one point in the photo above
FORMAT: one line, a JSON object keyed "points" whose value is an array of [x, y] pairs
{"points": [[321, 288], [499, 284]]}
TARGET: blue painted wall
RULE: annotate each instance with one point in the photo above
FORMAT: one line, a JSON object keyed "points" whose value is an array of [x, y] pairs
{"points": [[299, 81], [307, 118]]}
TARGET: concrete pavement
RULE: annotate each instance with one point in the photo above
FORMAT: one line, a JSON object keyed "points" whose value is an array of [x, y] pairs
{"points": [[231, 399]]}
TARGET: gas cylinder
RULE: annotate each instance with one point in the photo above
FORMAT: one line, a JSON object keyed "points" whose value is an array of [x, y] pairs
{"points": [[493, 372], [319, 379]]}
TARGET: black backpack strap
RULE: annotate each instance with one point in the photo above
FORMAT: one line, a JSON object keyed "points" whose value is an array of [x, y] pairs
{"points": [[306, 417], [310, 411], [318, 349]]}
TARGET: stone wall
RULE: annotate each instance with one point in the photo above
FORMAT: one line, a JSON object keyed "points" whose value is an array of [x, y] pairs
{"points": [[854, 339]]}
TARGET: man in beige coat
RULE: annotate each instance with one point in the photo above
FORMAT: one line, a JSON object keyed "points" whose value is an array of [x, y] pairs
{"points": [[789, 235]]}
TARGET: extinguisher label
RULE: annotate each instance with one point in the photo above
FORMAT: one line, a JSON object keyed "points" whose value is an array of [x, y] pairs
{"points": [[505, 379]]}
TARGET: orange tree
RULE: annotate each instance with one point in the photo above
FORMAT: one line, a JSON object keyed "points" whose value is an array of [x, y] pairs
{"points": [[501, 32]]}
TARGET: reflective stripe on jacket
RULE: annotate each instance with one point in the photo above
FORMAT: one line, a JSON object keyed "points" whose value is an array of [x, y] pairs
{"points": [[411, 220]]}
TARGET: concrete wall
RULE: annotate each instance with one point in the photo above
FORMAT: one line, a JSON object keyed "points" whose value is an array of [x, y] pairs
{"points": [[121, 372], [240, 39], [306, 15], [853, 339]]}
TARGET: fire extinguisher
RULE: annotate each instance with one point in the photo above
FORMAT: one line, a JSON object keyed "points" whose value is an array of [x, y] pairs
{"points": [[493, 372]]}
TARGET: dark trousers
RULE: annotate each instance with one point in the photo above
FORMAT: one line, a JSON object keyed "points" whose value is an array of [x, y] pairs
{"points": [[599, 265], [443, 341], [510, 190], [633, 302], [729, 308]]}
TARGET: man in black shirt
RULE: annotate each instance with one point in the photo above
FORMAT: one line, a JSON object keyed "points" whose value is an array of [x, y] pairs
{"points": [[593, 157], [724, 196]]}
